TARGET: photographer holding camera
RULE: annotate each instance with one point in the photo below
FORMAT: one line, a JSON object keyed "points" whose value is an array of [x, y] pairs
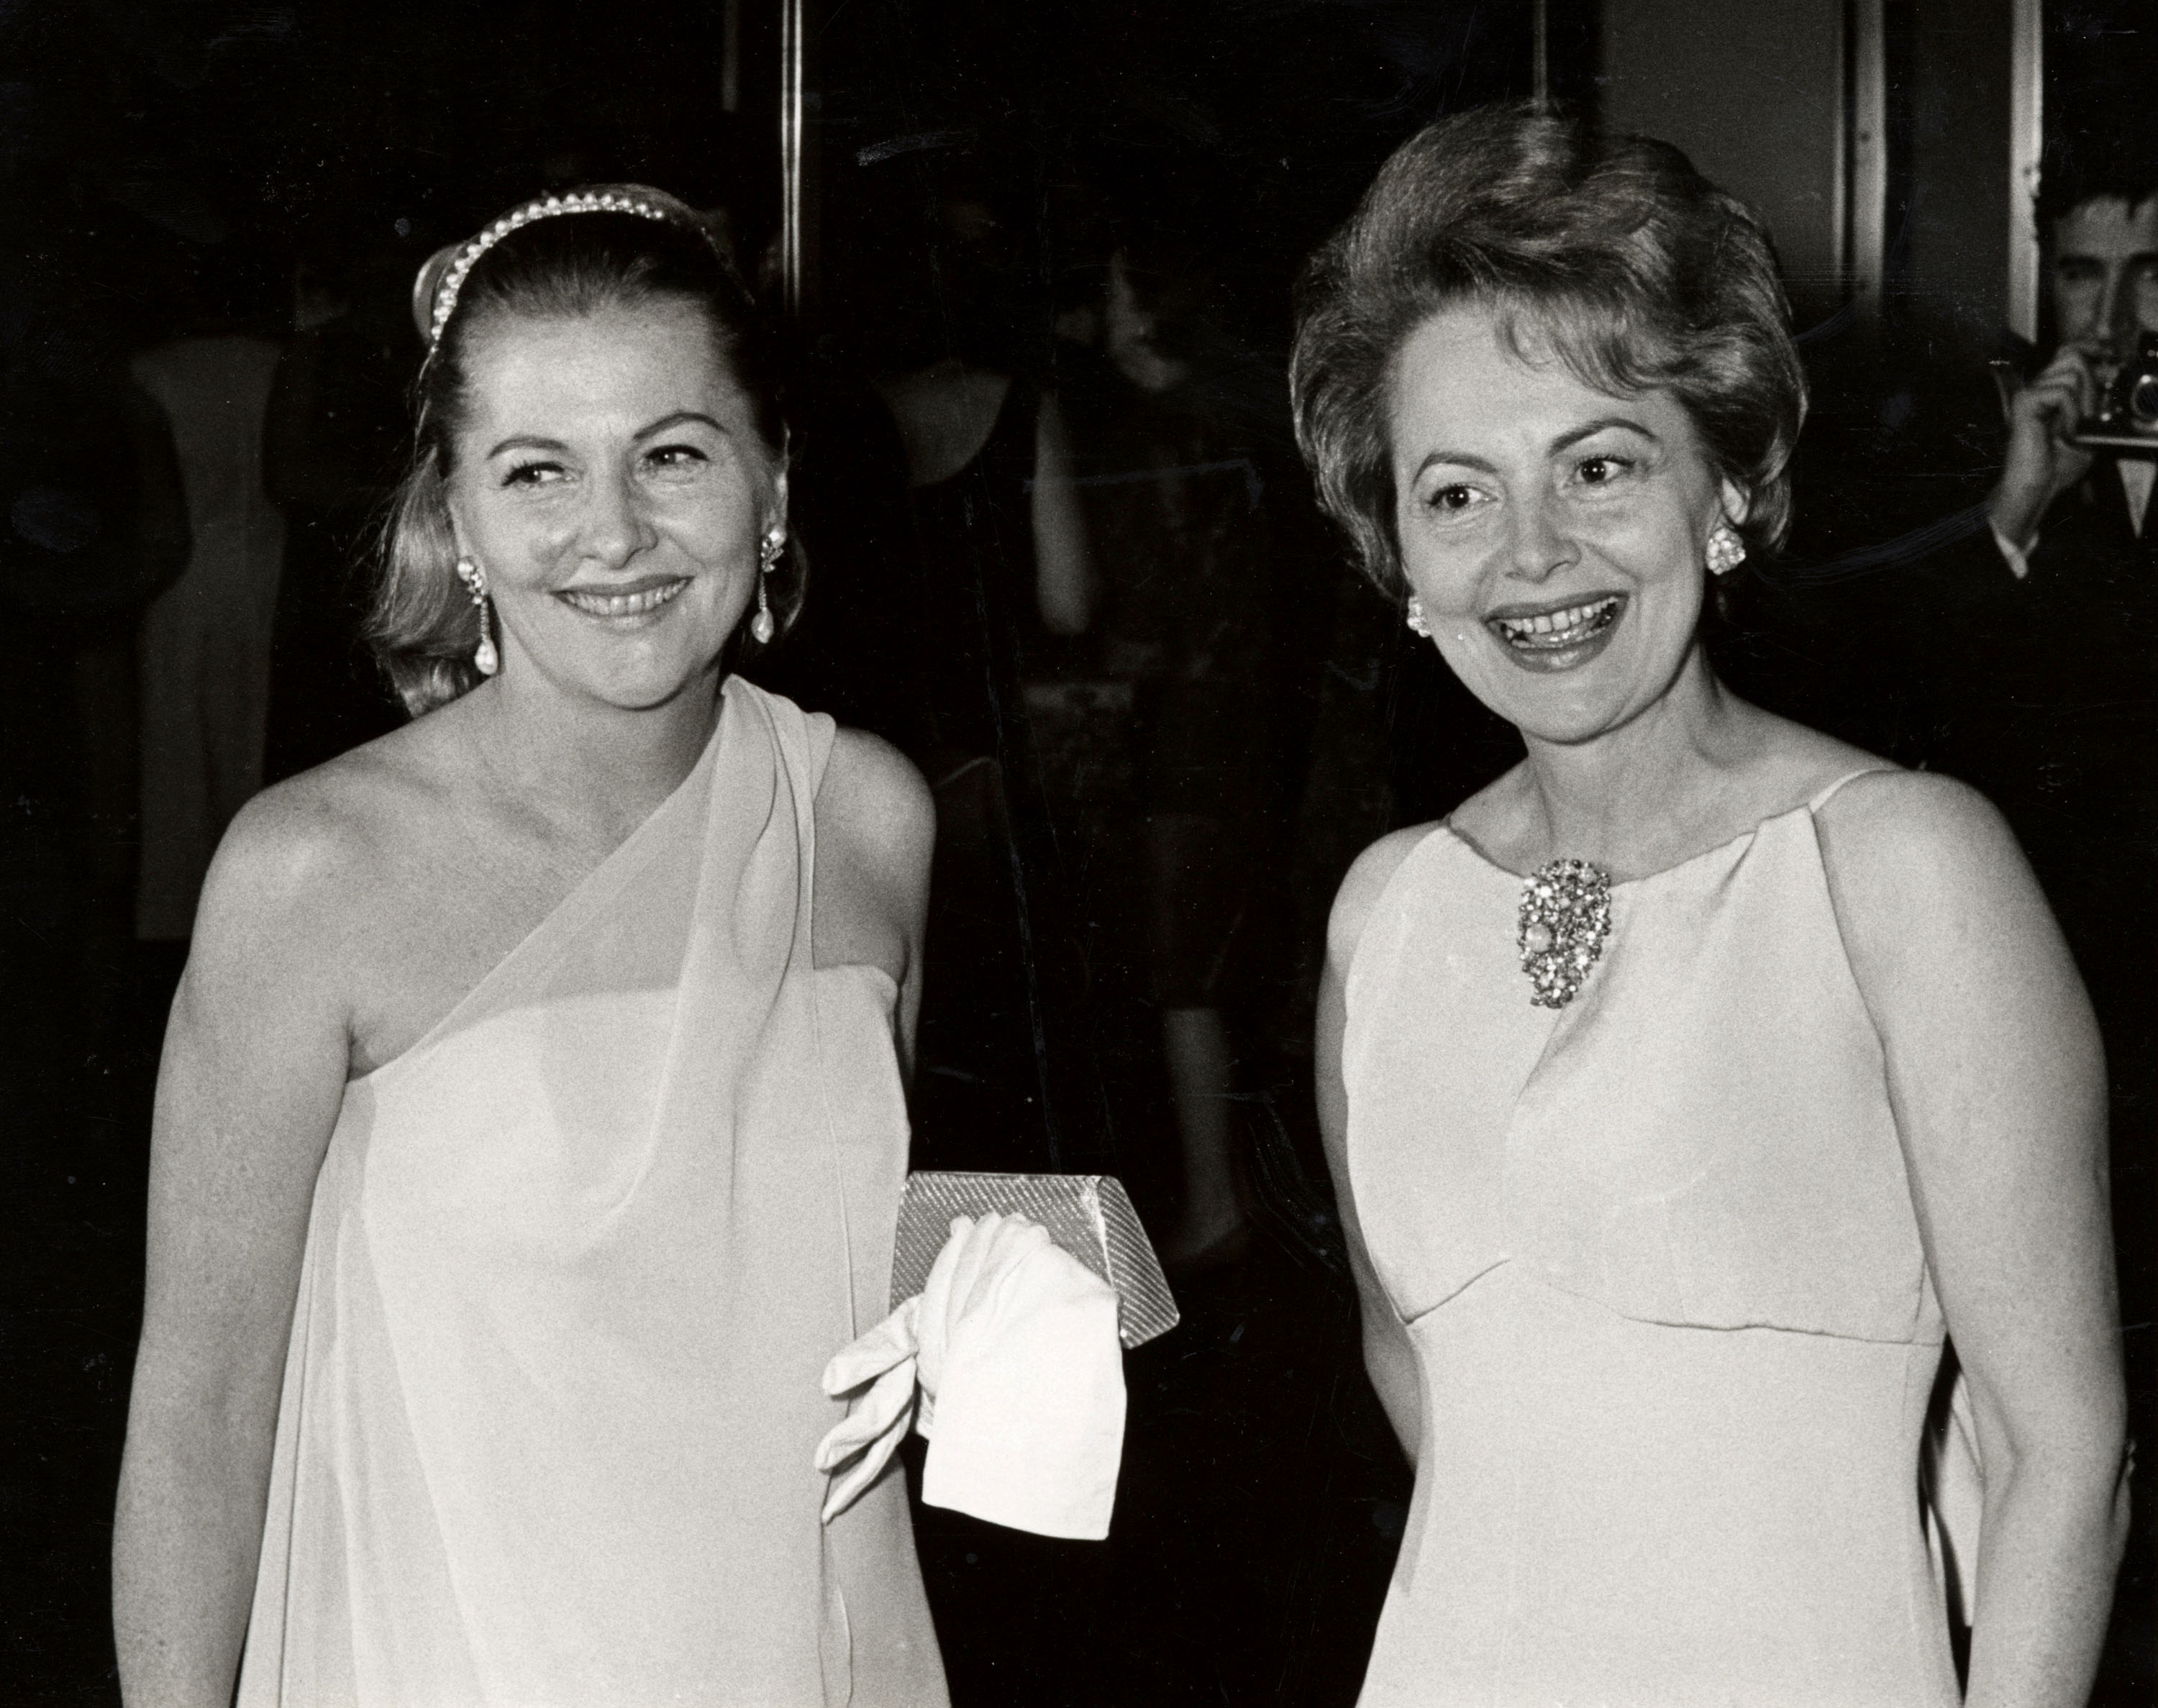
{"points": [[2046, 635], [2105, 303]]}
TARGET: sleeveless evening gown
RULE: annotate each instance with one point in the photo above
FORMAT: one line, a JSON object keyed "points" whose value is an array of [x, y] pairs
{"points": [[575, 1262], [1657, 1256]]}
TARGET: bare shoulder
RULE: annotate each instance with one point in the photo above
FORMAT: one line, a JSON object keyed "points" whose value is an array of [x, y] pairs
{"points": [[875, 828], [291, 850], [301, 859], [1936, 901], [1360, 889], [872, 797], [1910, 835]]}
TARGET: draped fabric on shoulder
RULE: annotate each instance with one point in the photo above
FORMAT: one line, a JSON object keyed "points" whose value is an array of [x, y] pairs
{"points": [[575, 1262]]}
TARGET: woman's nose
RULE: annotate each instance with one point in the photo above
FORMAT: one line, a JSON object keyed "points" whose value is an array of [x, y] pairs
{"points": [[1540, 545], [614, 528]]}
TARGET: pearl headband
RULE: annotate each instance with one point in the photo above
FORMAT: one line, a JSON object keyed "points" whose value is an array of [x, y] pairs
{"points": [[435, 290]]}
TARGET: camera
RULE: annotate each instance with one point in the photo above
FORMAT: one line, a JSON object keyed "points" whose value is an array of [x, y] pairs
{"points": [[2129, 414]]}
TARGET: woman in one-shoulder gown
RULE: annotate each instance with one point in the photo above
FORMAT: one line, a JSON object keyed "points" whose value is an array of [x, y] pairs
{"points": [[1691, 1085], [532, 1127], [575, 1262]]}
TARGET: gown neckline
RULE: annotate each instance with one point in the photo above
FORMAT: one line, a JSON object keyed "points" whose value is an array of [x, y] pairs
{"points": [[590, 891], [1812, 804]]}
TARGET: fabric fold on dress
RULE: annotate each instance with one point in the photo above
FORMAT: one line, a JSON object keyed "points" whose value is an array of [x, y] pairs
{"points": [[575, 1264]]}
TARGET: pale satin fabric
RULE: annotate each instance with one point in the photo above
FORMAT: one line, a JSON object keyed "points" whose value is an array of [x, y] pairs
{"points": [[1657, 1256], [204, 641], [575, 1262]]}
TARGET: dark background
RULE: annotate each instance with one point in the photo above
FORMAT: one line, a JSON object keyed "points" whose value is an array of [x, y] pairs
{"points": [[161, 163]]}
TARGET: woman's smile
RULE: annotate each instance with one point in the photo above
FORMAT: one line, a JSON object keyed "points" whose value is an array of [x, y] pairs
{"points": [[623, 605], [614, 488], [1555, 534], [1557, 637]]}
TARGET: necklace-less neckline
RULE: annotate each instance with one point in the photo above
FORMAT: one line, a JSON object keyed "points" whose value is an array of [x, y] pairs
{"points": [[588, 894], [1747, 835], [1812, 804]]}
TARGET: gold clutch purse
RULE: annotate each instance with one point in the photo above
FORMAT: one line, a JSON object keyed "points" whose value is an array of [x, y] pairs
{"points": [[1089, 1215]]}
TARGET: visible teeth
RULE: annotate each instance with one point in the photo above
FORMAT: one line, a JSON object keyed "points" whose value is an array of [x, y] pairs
{"points": [[623, 604], [1558, 627]]}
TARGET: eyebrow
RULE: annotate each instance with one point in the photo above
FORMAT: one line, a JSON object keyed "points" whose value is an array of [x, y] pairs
{"points": [[1459, 458], [528, 441], [1587, 430], [678, 418]]}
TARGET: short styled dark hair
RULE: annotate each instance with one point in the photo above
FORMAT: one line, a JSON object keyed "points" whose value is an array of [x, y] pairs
{"points": [[423, 626], [1613, 251], [2114, 158]]}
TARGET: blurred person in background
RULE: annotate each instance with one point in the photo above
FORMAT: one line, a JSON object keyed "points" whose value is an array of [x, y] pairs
{"points": [[1006, 582], [203, 651], [1178, 503], [2042, 631], [2055, 698], [95, 526]]}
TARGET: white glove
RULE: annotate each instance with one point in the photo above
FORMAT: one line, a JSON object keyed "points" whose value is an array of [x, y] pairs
{"points": [[1017, 1338], [901, 1372], [883, 1360]]}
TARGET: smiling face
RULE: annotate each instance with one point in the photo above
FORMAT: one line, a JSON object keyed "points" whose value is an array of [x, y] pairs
{"points": [[1555, 535], [610, 480]]}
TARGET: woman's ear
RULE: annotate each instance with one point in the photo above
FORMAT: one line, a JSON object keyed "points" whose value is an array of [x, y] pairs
{"points": [[778, 502], [1737, 503]]}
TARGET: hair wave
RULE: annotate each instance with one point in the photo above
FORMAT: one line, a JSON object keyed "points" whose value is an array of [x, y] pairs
{"points": [[1613, 252]]}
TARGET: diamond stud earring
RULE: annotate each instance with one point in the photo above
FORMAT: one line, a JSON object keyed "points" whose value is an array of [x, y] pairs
{"points": [[1725, 550]]}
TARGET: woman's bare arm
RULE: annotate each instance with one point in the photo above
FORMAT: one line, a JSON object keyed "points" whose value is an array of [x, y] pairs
{"points": [[254, 1070], [876, 825], [1998, 1087], [1388, 1356]]}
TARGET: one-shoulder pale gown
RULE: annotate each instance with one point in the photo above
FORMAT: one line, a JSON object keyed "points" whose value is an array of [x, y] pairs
{"points": [[575, 1262], [1657, 1256]]}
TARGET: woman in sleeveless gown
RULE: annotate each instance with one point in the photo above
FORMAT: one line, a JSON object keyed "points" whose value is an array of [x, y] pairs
{"points": [[532, 1124], [1688, 1088]]}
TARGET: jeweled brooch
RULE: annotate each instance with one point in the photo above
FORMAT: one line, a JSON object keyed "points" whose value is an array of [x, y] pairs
{"points": [[1566, 915]]}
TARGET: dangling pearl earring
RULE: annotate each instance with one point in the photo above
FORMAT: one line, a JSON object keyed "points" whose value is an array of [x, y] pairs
{"points": [[763, 626], [1725, 550], [1418, 623], [485, 658]]}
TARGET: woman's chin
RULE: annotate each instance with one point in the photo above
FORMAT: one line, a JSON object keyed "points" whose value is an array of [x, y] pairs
{"points": [[636, 685], [1562, 708], [1579, 700]]}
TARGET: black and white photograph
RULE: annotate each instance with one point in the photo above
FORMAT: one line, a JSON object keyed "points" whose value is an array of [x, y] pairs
{"points": [[991, 853]]}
